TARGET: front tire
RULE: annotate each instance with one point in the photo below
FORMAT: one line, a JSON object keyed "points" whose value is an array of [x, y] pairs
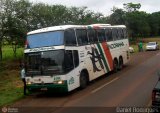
{"points": [[83, 80]]}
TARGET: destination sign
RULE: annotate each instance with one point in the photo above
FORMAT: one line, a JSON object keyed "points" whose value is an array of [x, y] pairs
{"points": [[43, 49]]}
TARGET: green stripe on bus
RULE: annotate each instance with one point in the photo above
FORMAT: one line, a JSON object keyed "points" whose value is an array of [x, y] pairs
{"points": [[103, 57]]}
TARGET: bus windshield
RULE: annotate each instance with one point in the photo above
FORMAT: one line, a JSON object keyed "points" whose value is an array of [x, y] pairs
{"points": [[45, 39], [44, 63]]}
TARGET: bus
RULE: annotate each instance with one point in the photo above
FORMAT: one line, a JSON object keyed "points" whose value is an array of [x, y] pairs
{"points": [[63, 58]]}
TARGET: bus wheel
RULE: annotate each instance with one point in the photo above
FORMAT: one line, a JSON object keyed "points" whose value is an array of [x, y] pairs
{"points": [[83, 80], [120, 63], [115, 65]]}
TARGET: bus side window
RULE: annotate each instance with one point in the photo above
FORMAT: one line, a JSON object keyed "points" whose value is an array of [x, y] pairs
{"points": [[95, 39], [82, 36], [117, 34], [121, 33], [90, 35], [125, 33], [70, 39], [76, 58], [109, 34], [68, 61], [114, 34], [101, 35]]}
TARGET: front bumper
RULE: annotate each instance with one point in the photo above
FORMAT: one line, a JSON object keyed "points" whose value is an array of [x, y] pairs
{"points": [[48, 87]]}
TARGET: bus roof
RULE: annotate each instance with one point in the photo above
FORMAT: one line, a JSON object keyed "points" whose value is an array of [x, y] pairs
{"points": [[106, 26], [55, 28], [122, 26], [63, 27], [100, 25]]}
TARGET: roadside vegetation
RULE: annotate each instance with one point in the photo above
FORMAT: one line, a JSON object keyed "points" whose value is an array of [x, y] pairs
{"points": [[8, 53], [134, 44], [10, 85], [10, 82]]}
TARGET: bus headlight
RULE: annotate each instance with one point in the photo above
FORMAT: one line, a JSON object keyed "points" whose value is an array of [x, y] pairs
{"points": [[59, 82], [28, 83]]}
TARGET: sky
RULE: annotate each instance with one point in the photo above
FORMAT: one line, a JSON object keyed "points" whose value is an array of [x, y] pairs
{"points": [[105, 6]]}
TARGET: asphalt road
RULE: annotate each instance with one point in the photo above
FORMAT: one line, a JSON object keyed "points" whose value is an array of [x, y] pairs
{"points": [[132, 86]]}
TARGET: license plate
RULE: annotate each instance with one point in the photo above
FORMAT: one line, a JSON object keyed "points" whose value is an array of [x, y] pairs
{"points": [[44, 89]]}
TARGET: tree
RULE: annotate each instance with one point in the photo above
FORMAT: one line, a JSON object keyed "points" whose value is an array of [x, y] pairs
{"points": [[2, 21], [137, 24], [10, 24], [82, 16], [117, 17], [130, 7], [154, 22], [78, 15], [15, 22], [23, 17], [48, 15]]}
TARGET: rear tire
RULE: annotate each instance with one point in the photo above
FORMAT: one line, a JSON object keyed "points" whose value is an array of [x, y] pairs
{"points": [[115, 66], [120, 63], [83, 80]]}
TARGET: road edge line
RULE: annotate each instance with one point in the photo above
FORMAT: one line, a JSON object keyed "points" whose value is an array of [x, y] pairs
{"points": [[95, 90]]}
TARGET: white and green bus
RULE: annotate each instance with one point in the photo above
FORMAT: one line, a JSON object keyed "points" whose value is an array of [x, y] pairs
{"points": [[69, 56]]}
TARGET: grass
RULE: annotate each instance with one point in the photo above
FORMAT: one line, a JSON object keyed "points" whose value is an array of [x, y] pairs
{"points": [[135, 47], [157, 39], [11, 86], [9, 55]]}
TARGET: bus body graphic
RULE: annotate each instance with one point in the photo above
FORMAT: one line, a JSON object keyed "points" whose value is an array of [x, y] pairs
{"points": [[57, 57], [96, 57], [106, 55]]}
